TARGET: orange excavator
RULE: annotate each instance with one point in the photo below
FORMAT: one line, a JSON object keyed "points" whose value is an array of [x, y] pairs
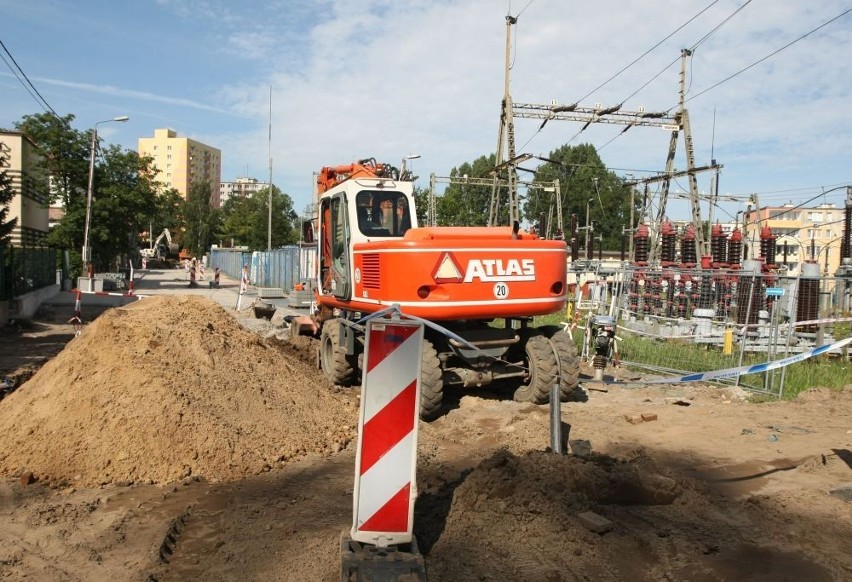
{"points": [[373, 254]]}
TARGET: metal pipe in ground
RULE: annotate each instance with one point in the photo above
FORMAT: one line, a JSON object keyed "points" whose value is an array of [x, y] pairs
{"points": [[555, 420]]}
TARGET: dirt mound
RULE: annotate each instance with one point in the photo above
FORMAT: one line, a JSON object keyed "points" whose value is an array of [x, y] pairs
{"points": [[166, 388]]}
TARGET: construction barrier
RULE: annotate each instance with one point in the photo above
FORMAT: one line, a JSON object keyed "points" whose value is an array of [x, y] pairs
{"points": [[386, 461]]}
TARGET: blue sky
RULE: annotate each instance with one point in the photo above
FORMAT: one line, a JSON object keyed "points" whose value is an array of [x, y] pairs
{"points": [[387, 78]]}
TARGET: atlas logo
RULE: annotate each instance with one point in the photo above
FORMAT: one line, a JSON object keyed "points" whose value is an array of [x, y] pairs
{"points": [[448, 270], [492, 270]]}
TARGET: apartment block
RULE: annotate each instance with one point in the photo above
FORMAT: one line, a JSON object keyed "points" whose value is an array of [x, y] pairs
{"points": [[241, 188], [182, 162], [808, 234], [20, 159]]}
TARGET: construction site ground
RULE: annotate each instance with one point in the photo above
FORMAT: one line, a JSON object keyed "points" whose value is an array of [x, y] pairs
{"points": [[177, 438]]}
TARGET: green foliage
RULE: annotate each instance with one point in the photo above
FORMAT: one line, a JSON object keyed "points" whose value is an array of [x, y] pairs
{"points": [[421, 203], [7, 193], [466, 204], [123, 203], [66, 154], [582, 177], [201, 220], [245, 220]]}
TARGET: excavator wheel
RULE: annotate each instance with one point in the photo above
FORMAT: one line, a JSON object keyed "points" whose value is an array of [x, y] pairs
{"points": [[431, 382], [568, 362], [335, 363], [541, 361]]}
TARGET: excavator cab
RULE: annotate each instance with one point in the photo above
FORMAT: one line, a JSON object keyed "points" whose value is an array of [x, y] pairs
{"points": [[335, 256]]}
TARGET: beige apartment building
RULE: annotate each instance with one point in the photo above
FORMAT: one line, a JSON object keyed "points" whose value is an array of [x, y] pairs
{"points": [[810, 234], [181, 162], [243, 187], [20, 159]]}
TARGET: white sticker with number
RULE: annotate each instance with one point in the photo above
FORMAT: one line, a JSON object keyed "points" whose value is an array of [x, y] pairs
{"points": [[501, 290]]}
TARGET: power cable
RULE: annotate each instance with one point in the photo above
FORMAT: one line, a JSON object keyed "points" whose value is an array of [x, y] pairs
{"points": [[41, 100], [668, 66], [643, 55], [718, 26], [770, 55], [678, 29]]}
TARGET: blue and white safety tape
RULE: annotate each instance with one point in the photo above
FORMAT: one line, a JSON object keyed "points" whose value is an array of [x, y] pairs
{"points": [[742, 370]]}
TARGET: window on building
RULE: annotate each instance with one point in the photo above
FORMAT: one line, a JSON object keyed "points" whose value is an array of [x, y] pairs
{"points": [[815, 216]]}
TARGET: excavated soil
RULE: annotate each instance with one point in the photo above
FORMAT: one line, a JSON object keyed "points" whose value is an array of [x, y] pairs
{"points": [[167, 442], [167, 388]]}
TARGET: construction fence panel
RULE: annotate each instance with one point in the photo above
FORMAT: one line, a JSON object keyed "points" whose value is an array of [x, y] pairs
{"points": [[681, 320], [279, 268]]}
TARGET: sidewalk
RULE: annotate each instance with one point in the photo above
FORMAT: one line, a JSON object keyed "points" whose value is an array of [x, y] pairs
{"points": [[152, 282]]}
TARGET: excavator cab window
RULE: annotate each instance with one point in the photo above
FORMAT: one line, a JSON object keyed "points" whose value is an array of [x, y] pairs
{"points": [[335, 259], [382, 213]]}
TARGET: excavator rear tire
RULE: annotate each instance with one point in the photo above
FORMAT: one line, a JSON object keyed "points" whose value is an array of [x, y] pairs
{"points": [[431, 383], [335, 363], [541, 362], [568, 363]]}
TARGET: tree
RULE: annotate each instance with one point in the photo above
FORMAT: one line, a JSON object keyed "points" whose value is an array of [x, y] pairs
{"points": [[465, 204], [200, 219], [66, 155], [124, 201], [7, 193], [245, 220], [582, 177]]}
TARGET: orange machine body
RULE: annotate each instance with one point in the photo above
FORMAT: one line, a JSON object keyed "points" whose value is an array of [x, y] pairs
{"points": [[444, 273]]}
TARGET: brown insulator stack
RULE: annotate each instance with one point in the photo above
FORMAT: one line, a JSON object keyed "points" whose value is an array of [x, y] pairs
{"points": [[668, 244], [642, 245], [846, 241], [688, 254], [735, 248], [750, 294], [767, 247], [635, 291], [807, 299], [718, 247]]}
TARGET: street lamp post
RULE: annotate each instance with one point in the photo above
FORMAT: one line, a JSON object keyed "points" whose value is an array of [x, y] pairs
{"points": [[87, 250], [404, 160]]}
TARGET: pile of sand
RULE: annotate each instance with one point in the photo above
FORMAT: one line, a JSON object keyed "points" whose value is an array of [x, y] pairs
{"points": [[166, 388]]}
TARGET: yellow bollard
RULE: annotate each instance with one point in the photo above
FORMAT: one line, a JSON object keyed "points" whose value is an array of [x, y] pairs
{"points": [[728, 343]]}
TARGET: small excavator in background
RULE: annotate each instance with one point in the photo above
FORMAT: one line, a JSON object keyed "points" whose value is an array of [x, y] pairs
{"points": [[481, 284], [159, 251]]}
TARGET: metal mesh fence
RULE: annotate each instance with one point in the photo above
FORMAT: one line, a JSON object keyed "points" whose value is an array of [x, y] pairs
{"points": [[675, 321], [24, 269]]}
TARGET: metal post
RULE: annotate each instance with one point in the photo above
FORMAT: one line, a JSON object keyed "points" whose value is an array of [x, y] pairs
{"points": [[555, 418], [87, 251]]}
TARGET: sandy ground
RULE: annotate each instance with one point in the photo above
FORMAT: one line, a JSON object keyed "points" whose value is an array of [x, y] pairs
{"points": [[169, 442]]}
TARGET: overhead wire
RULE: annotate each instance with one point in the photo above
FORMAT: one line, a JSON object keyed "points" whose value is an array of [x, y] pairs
{"points": [[643, 55], [29, 87], [636, 60], [668, 66], [770, 55]]}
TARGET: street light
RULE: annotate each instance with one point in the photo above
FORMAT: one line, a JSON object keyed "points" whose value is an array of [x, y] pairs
{"points": [[404, 160], [87, 250]]}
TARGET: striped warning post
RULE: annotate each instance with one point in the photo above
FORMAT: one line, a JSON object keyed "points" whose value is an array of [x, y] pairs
{"points": [[386, 461]]}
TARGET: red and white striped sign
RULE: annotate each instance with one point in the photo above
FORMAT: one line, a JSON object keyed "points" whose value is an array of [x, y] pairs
{"points": [[386, 461]]}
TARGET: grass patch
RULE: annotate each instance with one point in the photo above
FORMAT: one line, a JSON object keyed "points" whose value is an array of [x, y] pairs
{"points": [[827, 371]]}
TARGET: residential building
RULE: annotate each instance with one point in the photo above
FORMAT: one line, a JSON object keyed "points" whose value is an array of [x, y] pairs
{"points": [[20, 159], [241, 187], [807, 234], [182, 162]]}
